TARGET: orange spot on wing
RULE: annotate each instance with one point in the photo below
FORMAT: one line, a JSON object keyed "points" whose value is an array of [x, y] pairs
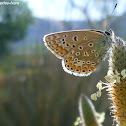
{"points": [[69, 58], [92, 68], [59, 48], [70, 53], [53, 42], [79, 68], [53, 37], [70, 64], [55, 45], [64, 51], [73, 67], [85, 68]]}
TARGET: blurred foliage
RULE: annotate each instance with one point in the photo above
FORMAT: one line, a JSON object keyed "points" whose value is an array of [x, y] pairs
{"points": [[87, 112], [14, 20], [34, 90]]}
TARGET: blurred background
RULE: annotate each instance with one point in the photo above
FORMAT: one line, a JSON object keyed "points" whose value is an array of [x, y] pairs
{"points": [[34, 89]]}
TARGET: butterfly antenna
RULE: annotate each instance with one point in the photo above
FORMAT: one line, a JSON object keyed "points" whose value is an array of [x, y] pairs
{"points": [[111, 16]]}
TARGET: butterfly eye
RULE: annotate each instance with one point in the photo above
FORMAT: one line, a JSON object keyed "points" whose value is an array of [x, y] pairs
{"points": [[107, 33]]}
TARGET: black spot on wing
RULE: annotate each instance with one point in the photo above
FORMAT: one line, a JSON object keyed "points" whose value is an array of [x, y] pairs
{"points": [[98, 31]]}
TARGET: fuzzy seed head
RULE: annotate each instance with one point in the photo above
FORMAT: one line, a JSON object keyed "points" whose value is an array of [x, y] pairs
{"points": [[118, 55], [117, 78]]}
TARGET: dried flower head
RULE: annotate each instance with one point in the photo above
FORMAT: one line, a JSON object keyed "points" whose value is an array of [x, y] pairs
{"points": [[116, 78]]}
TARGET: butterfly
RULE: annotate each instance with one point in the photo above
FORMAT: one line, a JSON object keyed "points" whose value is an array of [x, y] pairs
{"points": [[81, 51]]}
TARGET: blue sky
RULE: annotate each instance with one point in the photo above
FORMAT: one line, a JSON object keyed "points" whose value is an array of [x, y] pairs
{"points": [[61, 9]]}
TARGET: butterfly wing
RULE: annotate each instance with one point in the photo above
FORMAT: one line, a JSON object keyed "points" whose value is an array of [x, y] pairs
{"points": [[81, 51]]}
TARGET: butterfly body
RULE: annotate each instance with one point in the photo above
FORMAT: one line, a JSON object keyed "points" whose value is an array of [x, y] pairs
{"points": [[81, 51]]}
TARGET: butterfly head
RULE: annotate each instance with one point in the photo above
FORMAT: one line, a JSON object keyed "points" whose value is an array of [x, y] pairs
{"points": [[109, 32]]}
